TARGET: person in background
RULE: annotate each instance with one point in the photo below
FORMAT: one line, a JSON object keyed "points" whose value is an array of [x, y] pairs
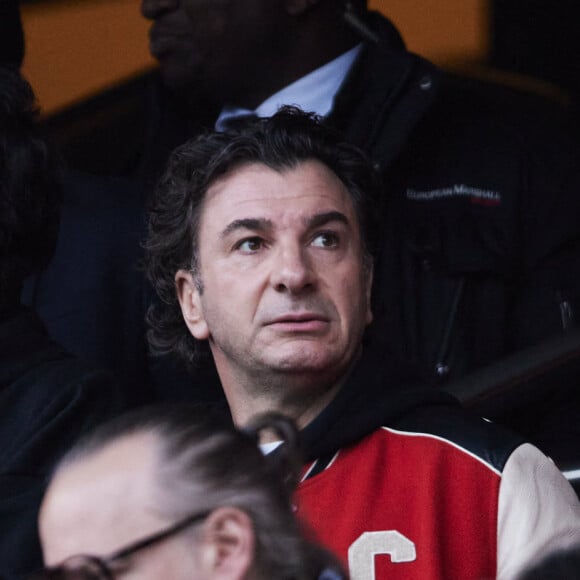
{"points": [[47, 397], [172, 492], [92, 295], [261, 248], [480, 254]]}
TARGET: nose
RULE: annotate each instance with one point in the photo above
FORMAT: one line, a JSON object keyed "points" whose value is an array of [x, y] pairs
{"points": [[152, 9], [292, 271]]}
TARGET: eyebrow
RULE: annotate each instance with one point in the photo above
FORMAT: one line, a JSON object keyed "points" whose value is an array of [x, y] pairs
{"points": [[263, 224], [322, 219], [255, 224]]}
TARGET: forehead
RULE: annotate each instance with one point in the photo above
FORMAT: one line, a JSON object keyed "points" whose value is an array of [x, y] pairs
{"points": [[98, 503], [256, 190]]}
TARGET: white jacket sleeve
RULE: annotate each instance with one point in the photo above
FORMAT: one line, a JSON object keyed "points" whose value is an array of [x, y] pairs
{"points": [[538, 512]]}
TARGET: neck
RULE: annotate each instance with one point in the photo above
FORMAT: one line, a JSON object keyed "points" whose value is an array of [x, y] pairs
{"points": [[298, 397], [313, 40]]}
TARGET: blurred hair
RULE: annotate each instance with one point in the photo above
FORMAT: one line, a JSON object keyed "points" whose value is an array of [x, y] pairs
{"points": [[205, 463], [280, 142], [30, 191]]}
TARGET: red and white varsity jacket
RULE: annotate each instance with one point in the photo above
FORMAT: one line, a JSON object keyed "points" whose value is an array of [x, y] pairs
{"points": [[413, 505]]}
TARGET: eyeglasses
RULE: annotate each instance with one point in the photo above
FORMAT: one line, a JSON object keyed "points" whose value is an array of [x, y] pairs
{"points": [[86, 567]]}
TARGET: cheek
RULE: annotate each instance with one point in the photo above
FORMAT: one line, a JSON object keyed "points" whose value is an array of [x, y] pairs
{"points": [[176, 559], [355, 297]]}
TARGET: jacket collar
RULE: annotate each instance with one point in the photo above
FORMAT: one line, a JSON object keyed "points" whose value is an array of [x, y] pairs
{"points": [[386, 94]]}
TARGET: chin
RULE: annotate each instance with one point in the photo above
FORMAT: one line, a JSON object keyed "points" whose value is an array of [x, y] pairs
{"points": [[177, 75], [315, 363]]}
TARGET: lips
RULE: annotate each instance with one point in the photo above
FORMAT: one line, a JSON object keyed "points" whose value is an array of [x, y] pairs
{"points": [[163, 40], [303, 322]]}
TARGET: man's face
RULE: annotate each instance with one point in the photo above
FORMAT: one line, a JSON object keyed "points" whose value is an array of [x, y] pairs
{"points": [[107, 501], [285, 290], [212, 46]]}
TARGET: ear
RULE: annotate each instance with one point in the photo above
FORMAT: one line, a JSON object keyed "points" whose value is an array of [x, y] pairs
{"points": [[189, 298], [299, 7], [228, 544]]}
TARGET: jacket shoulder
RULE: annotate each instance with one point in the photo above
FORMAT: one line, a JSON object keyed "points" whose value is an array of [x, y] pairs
{"points": [[477, 436]]}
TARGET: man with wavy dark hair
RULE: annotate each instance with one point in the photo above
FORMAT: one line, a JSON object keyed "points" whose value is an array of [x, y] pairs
{"points": [[286, 142], [261, 245], [47, 398]]}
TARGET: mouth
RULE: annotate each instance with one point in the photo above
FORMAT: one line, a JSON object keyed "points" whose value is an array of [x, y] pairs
{"points": [[163, 40], [304, 322]]}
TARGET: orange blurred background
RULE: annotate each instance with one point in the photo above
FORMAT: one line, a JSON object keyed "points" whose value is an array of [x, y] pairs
{"points": [[77, 48]]}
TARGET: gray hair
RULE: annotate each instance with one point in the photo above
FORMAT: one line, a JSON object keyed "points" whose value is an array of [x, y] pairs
{"points": [[206, 463]]}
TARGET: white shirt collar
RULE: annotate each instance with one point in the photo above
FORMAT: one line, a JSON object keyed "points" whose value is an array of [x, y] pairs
{"points": [[267, 448], [313, 93]]}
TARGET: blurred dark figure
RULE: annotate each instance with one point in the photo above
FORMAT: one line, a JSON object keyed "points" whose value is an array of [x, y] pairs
{"points": [[47, 397], [562, 565], [92, 296]]}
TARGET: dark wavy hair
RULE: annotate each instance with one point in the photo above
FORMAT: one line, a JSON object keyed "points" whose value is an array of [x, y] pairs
{"points": [[280, 142], [30, 189]]}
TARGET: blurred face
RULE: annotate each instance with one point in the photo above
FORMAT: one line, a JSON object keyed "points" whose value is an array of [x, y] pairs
{"points": [[217, 46], [107, 501], [285, 292]]}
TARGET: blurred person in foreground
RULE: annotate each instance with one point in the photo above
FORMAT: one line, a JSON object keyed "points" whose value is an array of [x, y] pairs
{"points": [[47, 397], [261, 247], [172, 493]]}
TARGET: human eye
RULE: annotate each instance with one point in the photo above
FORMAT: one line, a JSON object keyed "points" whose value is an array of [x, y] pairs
{"points": [[250, 245], [326, 240]]}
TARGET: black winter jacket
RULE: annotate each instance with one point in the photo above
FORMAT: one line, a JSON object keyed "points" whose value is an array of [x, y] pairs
{"points": [[480, 251]]}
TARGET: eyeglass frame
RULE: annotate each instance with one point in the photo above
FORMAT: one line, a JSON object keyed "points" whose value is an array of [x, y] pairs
{"points": [[103, 562]]}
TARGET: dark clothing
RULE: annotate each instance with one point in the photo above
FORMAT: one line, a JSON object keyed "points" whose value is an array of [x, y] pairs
{"points": [[93, 296], [481, 226], [398, 403], [47, 399]]}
